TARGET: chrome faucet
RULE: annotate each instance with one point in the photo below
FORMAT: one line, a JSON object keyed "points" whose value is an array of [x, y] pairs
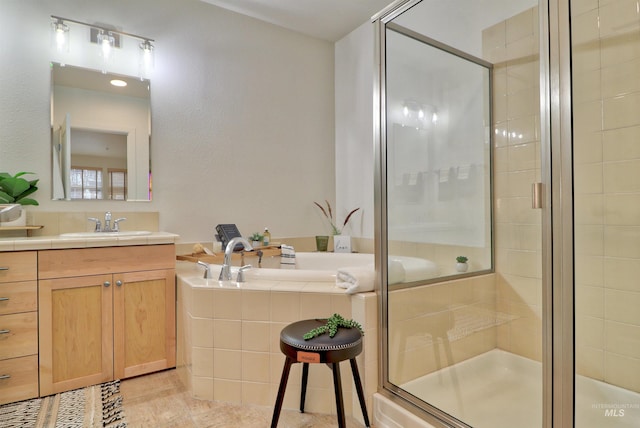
{"points": [[225, 272], [107, 223]]}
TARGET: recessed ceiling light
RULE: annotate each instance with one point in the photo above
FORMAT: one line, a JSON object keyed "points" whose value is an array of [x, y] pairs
{"points": [[118, 82]]}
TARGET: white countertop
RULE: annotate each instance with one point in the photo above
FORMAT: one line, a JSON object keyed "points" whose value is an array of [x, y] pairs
{"points": [[57, 242]]}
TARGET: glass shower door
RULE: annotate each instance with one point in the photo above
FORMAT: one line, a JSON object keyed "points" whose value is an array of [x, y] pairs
{"points": [[605, 52], [466, 347]]}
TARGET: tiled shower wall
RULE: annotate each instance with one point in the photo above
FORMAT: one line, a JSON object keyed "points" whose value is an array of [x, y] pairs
{"points": [[606, 114], [512, 46]]}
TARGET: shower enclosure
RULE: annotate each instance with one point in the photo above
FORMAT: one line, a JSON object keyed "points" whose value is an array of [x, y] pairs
{"points": [[509, 135]]}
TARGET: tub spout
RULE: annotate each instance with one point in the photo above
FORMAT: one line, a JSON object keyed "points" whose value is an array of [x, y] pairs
{"points": [[225, 272]]}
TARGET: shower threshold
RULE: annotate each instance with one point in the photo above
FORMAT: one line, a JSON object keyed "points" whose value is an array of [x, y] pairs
{"points": [[499, 389]]}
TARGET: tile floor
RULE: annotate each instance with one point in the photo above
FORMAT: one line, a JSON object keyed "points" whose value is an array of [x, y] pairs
{"points": [[160, 400]]}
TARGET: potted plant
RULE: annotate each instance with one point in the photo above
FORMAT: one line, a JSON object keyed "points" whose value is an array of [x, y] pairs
{"points": [[256, 239], [341, 243], [461, 263], [14, 190]]}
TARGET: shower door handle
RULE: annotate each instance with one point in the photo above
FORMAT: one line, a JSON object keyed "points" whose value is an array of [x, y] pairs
{"points": [[536, 195]]}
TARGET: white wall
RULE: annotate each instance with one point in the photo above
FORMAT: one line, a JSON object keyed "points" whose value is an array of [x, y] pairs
{"points": [[243, 113], [354, 58]]}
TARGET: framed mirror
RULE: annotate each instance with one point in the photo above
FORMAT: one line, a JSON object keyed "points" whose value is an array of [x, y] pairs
{"points": [[100, 135]]}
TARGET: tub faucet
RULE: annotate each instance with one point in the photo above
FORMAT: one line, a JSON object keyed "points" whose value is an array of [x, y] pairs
{"points": [[225, 272], [207, 269]]}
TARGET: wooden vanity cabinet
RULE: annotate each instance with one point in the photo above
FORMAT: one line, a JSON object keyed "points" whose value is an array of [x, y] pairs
{"points": [[105, 313], [18, 326]]}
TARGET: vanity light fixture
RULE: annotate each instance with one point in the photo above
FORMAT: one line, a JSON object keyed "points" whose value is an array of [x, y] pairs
{"points": [[146, 58], [60, 35], [107, 39]]}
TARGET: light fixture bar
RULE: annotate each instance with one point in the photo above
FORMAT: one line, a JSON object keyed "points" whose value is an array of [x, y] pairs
{"points": [[106, 30]]}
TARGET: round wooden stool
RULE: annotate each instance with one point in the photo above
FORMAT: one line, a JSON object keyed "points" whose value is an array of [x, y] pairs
{"points": [[345, 345]]}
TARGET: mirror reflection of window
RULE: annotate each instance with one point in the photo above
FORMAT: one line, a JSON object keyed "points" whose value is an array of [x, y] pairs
{"points": [[86, 183], [118, 184]]}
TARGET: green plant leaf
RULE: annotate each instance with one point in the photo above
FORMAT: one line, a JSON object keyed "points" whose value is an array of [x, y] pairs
{"points": [[6, 199], [28, 201], [14, 186]]}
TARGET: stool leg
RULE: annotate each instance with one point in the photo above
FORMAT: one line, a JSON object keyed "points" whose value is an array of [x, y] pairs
{"points": [[303, 389], [356, 380], [283, 386], [337, 385]]}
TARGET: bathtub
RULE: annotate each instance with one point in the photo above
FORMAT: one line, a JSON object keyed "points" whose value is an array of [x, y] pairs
{"points": [[322, 267]]}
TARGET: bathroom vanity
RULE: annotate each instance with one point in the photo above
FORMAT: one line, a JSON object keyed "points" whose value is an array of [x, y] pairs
{"points": [[78, 312]]}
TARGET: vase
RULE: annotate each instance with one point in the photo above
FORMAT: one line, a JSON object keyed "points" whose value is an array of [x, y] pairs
{"points": [[20, 221], [322, 241], [462, 267], [342, 243]]}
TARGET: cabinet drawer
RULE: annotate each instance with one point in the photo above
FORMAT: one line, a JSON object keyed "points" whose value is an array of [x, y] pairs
{"points": [[18, 266], [18, 379], [96, 261], [18, 335], [18, 297]]}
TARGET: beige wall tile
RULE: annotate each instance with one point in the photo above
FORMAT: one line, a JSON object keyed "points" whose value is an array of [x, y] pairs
{"points": [[620, 370], [622, 339], [621, 144], [587, 86], [202, 332], [519, 26], [589, 240], [622, 209], [202, 302], [617, 17], [590, 331], [622, 241], [227, 364], [227, 334], [314, 305], [256, 336], [590, 362], [227, 304], [227, 390], [621, 111], [584, 28], [589, 208], [589, 270], [256, 305], [285, 306], [202, 362], [622, 274], [622, 306], [255, 367]]}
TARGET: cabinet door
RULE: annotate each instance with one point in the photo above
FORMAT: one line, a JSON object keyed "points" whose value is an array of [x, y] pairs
{"points": [[144, 322], [76, 332]]}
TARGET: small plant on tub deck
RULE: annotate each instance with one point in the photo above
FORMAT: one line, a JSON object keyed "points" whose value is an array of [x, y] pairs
{"points": [[333, 323], [256, 237], [15, 189], [329, 215], [462, 259]]}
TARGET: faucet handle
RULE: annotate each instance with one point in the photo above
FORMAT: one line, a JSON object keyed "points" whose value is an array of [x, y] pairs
{"points": [[107, 216], [240, 277], [115, 223], [207, 269], [98, 224]]}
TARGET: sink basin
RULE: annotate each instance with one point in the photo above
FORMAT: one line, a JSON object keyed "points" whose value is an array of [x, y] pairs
{"points": [[105, 234]]}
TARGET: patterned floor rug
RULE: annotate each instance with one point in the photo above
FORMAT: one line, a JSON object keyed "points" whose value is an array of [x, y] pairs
{"points": [[93, 407]]}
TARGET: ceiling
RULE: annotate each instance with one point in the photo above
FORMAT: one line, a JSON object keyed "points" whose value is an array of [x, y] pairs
{"points": [[324, 19]]}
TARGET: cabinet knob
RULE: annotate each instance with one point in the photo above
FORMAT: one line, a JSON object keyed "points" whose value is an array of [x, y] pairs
{"points": [[107, 283], [118, 283], [5, 376]]}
